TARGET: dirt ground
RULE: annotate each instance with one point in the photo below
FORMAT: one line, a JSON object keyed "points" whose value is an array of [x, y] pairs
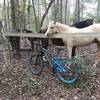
{"points": [[16, 82]]}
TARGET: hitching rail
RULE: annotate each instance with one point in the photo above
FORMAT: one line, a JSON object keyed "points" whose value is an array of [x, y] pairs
{"points": [[42, 35]]}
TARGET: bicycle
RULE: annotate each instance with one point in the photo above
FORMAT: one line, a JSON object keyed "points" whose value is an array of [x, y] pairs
{"points": [[65, 70]]}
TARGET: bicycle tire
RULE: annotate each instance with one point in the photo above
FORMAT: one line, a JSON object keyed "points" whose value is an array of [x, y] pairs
{"points": [[36, 64], [71, 75], [69, 81]]}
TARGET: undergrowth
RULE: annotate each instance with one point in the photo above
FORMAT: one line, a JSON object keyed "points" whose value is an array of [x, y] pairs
{"points": [[83, 68], [34, 85], [85, 72]]}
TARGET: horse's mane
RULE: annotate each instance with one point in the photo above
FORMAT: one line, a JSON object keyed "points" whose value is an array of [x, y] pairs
{"points": [[63, 25]]}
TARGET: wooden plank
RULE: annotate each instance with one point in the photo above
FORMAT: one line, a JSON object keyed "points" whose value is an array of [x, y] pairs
{"points": [[34, 35]]}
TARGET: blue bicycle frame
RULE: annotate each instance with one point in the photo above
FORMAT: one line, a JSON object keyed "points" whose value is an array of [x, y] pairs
{"points": [[58, 66]]}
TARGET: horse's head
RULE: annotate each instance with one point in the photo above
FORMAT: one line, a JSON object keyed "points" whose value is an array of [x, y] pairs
{"points": [[55, 28], [52, 29]]}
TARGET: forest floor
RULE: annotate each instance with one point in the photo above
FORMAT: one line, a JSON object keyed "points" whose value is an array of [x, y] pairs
{"points": [[15, 80]]}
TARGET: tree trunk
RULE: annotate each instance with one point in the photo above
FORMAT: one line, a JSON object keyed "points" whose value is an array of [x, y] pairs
{"points": [[36, 22], [15, 41], [58, 10], [66, 7], [23, 15], [82, 8], [98, 11], [4, 13], [61, 12], [14, 14], [77, 11]]}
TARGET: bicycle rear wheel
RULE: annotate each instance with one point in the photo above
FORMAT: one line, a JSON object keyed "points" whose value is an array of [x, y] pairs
{"points": [[36, 64]]}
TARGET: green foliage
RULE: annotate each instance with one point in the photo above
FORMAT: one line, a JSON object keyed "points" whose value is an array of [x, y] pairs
{"points": [[35, 86], [86, 72], [97, 19], [84, 69]]}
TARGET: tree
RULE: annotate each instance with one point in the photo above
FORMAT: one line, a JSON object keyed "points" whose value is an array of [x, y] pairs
{"points": [[36, 22], [66, 8], [14, 14], [77, 11], [61, 11], [81, 9], [98, 10]]}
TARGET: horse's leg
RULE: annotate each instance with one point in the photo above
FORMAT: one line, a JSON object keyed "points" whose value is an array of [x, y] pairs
{"points": [[69, 49], [97, 55], [73, 51], [45, 43], [69, 46]]}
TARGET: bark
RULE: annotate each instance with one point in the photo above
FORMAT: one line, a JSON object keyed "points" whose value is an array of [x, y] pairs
{"points": [[38, 9], [29, 16], [66, 7], [36, 22], [15, 41], [82, 8], [61, 11], [23, 15], [77, 11], [4, 14], [58, 10], [8, 15], [98, 11], [55, 11], [14, 14]]}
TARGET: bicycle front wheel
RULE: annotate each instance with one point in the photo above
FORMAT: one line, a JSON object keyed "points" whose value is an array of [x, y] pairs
{"points": [[72, 74], [36, 64]]}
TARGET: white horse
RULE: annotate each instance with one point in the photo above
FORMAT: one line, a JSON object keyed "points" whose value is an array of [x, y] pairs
{"points": [[74, 37]]}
